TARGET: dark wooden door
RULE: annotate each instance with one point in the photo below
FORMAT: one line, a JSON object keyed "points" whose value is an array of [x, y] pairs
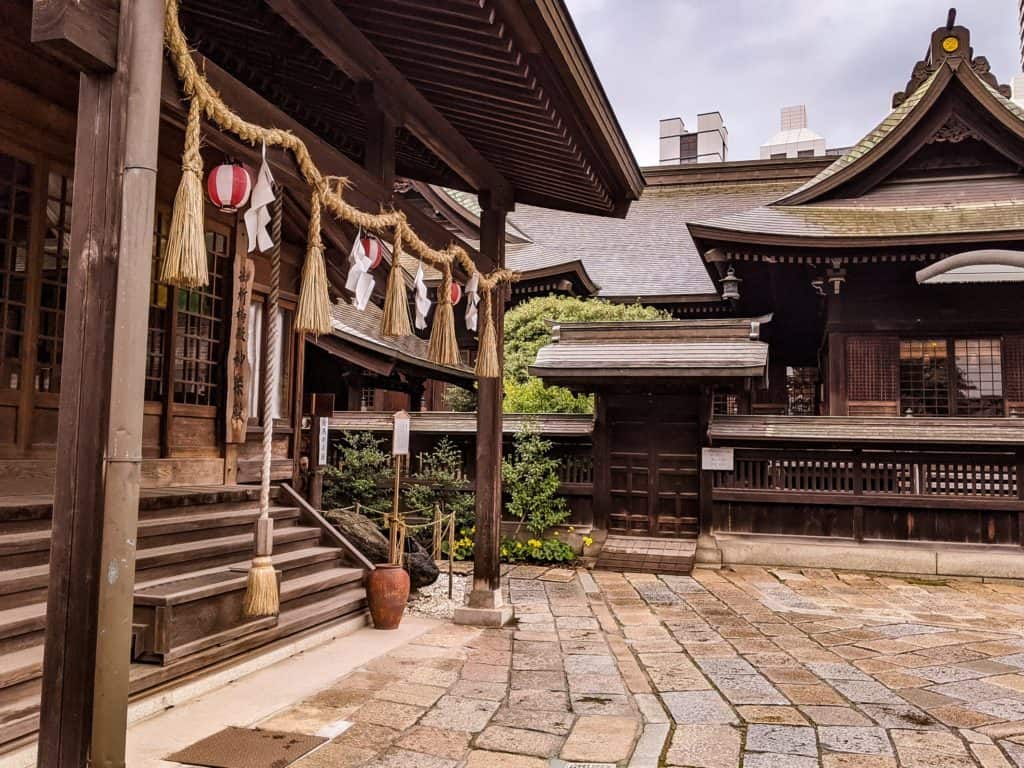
{"points": [[653, 448]]}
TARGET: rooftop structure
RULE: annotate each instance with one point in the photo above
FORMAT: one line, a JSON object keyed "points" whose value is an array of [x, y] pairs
{"points": [[794, 138], [708, 144]]}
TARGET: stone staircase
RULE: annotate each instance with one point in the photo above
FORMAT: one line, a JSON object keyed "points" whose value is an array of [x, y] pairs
{"points": [[194, 549]]}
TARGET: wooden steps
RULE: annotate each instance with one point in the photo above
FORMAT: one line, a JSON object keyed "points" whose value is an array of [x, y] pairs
{"points": [[642, 554], [194, 551]]}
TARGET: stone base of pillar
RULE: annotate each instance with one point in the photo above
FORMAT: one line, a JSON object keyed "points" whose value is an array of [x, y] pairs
{"points": [[485, 608], [708, 554]]}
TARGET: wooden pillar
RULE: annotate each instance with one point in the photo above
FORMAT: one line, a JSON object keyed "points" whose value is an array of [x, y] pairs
{"points": [[485, 600], [75, 545], [836, 374], [601, 459]]}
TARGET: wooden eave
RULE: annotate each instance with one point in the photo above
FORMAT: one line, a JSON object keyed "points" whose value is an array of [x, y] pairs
{"points": [[480, 90], [574, 271], [459, 423], [735, 171], [880, 431]]}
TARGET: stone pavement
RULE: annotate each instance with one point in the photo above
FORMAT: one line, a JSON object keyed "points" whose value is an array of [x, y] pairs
{"points": [[747, 667]]}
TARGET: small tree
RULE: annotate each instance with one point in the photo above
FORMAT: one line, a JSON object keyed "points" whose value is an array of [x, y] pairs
{"points": [[441, 481], [363, 473], [531, 480]]}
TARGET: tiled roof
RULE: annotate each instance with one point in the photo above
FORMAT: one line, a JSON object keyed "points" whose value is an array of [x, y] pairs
{"points": [[828, 221], [869, 142], [362, 329], [683, 348], [647, 254]]}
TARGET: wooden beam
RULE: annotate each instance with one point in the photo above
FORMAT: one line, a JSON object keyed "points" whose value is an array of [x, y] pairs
{"points": [[339, 40], [380, 135], [365, 191], [76, 541], [81, 32]]}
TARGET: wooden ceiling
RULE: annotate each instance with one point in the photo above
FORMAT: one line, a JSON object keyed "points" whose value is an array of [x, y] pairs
{"points": [[489, 95]]}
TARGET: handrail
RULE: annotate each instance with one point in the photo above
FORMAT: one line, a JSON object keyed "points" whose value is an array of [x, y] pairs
{"points": [[321, 522]]}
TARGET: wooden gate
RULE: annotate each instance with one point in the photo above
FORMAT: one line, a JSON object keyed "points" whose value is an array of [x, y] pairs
{"points": [[653, 447]]}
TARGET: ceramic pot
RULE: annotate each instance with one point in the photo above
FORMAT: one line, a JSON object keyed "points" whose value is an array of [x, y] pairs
{"points": [[387, 590]]}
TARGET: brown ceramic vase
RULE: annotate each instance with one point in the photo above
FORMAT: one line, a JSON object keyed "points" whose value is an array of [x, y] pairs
{"points": [[387, 589]]}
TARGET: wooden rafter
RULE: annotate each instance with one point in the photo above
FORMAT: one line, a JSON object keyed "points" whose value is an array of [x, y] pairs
{"points": [[329, 31]]}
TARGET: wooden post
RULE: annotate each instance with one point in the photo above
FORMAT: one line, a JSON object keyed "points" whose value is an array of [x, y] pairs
{"points": [[95, 508], [485, 600], [858, 490], [317, 459], [600, 451], [1020, 496]]}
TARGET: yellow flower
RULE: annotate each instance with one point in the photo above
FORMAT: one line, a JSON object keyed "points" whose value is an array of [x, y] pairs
{"points": [[534, 543], [587, 541]]}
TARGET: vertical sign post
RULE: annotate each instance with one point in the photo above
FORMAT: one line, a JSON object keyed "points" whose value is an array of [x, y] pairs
{"points": [[399, 448]]}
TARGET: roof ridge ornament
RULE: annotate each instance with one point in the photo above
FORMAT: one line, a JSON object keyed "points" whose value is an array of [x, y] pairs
{"points": [[950, 43]]}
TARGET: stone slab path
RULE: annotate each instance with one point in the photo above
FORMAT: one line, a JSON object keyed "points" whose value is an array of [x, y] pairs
{"points": [[747, 667]]}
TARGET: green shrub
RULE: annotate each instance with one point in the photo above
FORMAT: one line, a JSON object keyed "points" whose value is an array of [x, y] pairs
{"points": [[362, 473], [440, 482], [527, 329], [531, 481]]}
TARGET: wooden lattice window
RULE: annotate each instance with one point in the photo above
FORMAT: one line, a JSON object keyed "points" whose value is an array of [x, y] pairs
{"points": [[1013, 369], [943, 377], [725, 404], [871, 368], [199, 335], [53, 287], [159, 304], [979, 377], [924, 377], [15, 229]]}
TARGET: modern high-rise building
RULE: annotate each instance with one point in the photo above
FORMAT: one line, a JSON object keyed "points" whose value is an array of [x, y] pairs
{"points": [[794, 138], [708, 144]]}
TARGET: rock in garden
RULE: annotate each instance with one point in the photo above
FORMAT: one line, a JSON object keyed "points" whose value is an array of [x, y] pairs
{"points": [[368, 539]]}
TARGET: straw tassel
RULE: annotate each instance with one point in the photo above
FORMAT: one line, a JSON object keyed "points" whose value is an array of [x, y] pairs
{"points": [[261, 593], [395, 321], [487, 365], [184, 262], [313, 314], [444, 347]]}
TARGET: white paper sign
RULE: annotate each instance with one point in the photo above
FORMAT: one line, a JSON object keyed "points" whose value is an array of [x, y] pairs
{"points": [[324, 440], [717, 458], [400, 442]]}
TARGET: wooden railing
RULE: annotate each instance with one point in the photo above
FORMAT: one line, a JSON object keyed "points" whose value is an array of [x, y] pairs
{"points": [[866, 473], [969, 497]]}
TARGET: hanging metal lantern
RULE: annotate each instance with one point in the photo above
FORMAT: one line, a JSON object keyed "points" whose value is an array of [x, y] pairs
{"points": [[731, 285], [456, 293], [228, 186]]}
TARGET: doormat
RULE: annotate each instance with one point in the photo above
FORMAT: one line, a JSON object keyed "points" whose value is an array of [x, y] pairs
{"points": [[247, 748]]}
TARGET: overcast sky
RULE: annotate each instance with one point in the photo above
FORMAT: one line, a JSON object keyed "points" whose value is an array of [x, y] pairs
{"points": [[748, 58]]}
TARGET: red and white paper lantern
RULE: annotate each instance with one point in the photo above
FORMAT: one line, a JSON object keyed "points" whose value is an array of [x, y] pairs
{"points": [[373, 250], [456, 293], [228, 186]]}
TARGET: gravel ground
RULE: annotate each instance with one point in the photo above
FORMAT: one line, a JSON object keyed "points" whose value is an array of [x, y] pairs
{"points": [[433, 600]]}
